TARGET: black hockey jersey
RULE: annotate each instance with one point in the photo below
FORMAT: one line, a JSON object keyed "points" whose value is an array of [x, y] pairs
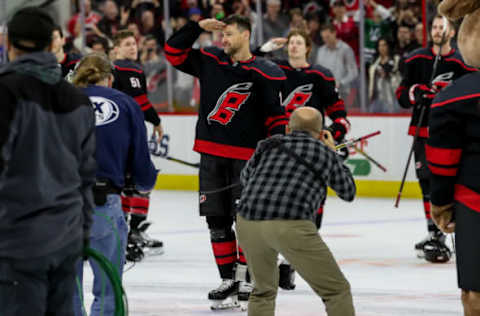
{"points": [[314, 86], [239, 101], [130, 79], [418, 70], [453, 148], [68, 64]]}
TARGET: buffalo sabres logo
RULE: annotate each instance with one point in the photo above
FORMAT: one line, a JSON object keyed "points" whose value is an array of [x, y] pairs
{"points": [[106, 111], [298, 97], [229, 102]]}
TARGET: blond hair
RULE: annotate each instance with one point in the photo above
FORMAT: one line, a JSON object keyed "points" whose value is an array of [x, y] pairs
{"points": [[91, 69]]}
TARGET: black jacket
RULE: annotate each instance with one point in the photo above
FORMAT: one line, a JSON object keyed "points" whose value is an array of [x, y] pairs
{"points": [[47, 166]]}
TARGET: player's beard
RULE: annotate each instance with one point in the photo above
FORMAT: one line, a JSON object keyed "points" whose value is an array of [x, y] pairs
{"points": [[439, 41], [232, 50]]}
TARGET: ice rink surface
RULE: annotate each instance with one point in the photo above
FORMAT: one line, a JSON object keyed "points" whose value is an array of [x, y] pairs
{"points": [[372, 241]]}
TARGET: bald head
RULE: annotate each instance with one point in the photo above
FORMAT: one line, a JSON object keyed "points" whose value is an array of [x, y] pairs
{"points": [[306, 119]]}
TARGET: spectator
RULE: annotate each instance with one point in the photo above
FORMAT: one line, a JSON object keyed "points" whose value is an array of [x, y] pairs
{"points": [[100, 45], [375, 28], [314, 21], [404, 43], [194, 14], [91, 20], [384, 78], [2, 45], [418, 35], [339, 58], [148, 25], [274, 22], [347, 29], [155, 69], [111, 21]]}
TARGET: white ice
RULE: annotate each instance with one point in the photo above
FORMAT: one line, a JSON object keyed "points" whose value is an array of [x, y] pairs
{"points": [[372, 241]]}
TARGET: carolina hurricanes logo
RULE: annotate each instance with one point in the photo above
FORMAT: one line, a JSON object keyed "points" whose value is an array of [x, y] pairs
{"points": [[202, 198], [229, 102], [298, 97], [445, 77]]}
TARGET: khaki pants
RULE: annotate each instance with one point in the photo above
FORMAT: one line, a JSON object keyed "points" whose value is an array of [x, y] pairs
{"points": [[299, 242]]}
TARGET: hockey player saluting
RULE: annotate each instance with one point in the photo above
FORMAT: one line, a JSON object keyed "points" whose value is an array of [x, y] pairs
{"points": [[239, 105], [307, 85], [130, 79], [417, 91]]}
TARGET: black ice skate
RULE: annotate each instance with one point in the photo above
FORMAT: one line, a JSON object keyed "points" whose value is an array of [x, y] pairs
{"points": [[225, 296], [433, 248], [244, 290], [151, 247], [287, 276]]}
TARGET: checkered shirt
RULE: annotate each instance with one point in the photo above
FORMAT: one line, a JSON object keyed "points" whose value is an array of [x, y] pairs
{"points": [[277, 186]]}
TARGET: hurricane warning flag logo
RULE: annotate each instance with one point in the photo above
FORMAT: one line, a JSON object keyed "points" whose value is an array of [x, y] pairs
{"points": [[106, 111]]}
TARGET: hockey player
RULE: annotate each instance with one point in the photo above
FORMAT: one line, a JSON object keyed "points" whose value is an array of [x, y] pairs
{"points": [[66, 61], [130, 79], [121, 144], [417, 91], [307, 85], [453, 153], [239, 105]]}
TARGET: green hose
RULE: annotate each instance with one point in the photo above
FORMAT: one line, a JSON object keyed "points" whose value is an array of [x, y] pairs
{"points": [[121, 308]]}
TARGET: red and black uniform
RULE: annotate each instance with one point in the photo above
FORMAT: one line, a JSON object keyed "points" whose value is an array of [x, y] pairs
{"points": [[68, 64], [239, 105], [453, 153], [130, 79], [417, 75]]}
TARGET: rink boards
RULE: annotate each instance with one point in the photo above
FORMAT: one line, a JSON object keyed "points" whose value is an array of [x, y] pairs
{"points": [[390, 149]]}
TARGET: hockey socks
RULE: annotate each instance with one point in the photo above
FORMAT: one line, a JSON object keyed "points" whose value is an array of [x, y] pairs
{"points": [[224, 246]]}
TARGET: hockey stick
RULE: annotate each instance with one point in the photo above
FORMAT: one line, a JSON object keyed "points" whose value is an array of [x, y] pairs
{"points": [[356, 140], [369, 158], [183, 162], [422, 114]]}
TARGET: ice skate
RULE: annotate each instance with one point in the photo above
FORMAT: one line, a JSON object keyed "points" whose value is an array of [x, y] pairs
{"points": [[225, 296], [433, 248], [151, 247], [287, 276], [244, 290]]}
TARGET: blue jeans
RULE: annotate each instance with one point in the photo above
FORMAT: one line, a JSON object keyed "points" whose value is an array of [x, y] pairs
{"points": [[109, 237]]}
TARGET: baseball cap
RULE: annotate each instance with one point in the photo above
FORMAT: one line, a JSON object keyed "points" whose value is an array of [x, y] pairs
{"points": [[33, 25]]}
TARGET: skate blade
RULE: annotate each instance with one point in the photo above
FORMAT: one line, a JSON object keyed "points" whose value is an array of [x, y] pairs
{"points": [[228, 303], [153, 251]]}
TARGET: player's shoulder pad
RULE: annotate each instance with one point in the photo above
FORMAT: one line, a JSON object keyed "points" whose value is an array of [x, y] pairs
{"points": [[419, 52], [215, 53], [321, 71], [266, 68], [464, 88], [127, 65]]}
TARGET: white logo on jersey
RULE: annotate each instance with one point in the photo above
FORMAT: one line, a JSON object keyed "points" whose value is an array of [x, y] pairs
{"points": [[447, 77], [106, 111], [229, 102], [298, 97]]}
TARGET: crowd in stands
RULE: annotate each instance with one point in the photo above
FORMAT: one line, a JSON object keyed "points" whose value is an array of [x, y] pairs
{"points": [[392, 30]]}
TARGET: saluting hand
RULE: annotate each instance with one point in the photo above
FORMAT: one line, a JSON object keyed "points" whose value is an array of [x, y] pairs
{"points": [[211, 25]]}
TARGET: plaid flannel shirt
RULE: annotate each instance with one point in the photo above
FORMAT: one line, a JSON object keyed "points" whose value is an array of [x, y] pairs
{"points": [[277, 186]]}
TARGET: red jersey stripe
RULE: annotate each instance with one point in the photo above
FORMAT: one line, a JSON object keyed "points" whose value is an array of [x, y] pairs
{"points": [[320, 74], [214, 57], [173, 50], [467, 197], [440, 171], [142, 99], [464, 97], [176, 60], [272, 119], [128, 69], [264, 74], [228, 151], [443, 156], [423, 131]]}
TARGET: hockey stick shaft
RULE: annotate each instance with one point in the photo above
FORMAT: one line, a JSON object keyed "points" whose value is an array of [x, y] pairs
{"points": [[356, 140], [183, 162], [369, 158], [420, 120]]}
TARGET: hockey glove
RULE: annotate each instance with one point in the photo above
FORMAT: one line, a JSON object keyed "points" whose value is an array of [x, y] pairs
{"points": [[86, 244], [443, 217], [421, 95], [339, 128]]}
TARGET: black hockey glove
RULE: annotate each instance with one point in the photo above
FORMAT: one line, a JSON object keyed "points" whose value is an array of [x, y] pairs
{"points": [[86, 244], [343, 153], [339, 128], [421, 95]]}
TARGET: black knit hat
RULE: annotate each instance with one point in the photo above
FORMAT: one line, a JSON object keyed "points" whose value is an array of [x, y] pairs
{"points": [[30, 24]]}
